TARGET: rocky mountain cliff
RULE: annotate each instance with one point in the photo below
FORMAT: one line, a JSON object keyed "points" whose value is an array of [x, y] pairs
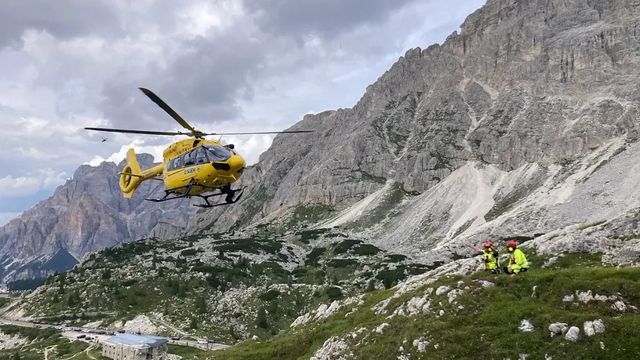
{"points": [[524, 122]]}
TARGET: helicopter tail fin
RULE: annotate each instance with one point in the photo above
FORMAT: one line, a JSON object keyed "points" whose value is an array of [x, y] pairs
{"points": [[131, 175]]}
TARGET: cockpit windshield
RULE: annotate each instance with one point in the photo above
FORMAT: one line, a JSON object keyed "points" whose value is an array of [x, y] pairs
{"points": [[218, 153]]}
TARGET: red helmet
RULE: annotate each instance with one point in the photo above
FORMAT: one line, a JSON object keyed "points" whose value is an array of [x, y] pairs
{"points": [[511, 243], [487, 244]]}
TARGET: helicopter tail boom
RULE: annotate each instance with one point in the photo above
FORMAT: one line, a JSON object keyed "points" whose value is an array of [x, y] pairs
{"points": [[132, 175]]}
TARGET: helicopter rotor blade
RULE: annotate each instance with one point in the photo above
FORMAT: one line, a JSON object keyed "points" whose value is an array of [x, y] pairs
{"points": [[156, 99], [262, 132], [147, 132]]}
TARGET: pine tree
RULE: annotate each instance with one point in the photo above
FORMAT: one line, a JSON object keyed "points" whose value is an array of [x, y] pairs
{"points": [[261, 319], [201, 305]]}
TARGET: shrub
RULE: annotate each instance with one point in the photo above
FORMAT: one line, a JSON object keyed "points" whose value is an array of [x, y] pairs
{"points": [[314, 256], [334, 293], [390, 278], [365, 250], [261, 319], [396, 257], [189, 252], [269, 295], [106, 274], [344, 246], [341, 263]]}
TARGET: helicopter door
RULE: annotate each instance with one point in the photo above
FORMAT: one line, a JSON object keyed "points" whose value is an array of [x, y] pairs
{"points": [[201, 156], [190, 158], [175, 163]]}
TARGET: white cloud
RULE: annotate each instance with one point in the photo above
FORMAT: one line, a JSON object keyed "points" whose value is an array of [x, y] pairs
{"points": [[18, 186], [46, 179], [139, 147]]}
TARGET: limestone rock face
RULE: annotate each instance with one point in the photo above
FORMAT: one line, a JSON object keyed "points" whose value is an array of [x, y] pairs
{"points": [[529, 86]]}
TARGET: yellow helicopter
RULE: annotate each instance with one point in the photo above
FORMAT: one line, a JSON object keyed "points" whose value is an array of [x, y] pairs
{"points": [[190, 167]]}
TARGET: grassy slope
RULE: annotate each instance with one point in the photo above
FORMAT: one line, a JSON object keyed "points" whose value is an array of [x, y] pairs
{"points": [[487, 326]]}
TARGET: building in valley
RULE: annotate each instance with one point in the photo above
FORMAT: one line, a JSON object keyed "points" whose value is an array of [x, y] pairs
{"points": [[135, 347]]}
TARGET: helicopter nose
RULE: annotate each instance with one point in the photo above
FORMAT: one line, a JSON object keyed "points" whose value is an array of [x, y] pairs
{"points": [[237, 164]]}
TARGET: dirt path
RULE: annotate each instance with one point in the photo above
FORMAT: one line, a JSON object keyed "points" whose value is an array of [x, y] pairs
{"points": [[86, 351], [46, 351], [89, 354]]}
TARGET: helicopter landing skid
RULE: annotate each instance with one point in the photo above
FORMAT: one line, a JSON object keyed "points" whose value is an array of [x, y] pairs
{"points": [[231, 197]]}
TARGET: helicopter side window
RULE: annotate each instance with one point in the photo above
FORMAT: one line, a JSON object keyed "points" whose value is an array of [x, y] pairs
{"points": [[201, 156], [177, 162], [218, 153], [190, 158]]}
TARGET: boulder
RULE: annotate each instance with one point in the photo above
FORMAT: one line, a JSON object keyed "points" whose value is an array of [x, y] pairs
{"points": [[442, 289], [588, 328], [619, 306], [598, 326], [380, 329], [525, 326], [558, 329], [573, 334]]}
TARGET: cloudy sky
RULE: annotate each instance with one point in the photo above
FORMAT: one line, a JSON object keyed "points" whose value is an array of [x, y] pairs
{"points": [[224, 65]]}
